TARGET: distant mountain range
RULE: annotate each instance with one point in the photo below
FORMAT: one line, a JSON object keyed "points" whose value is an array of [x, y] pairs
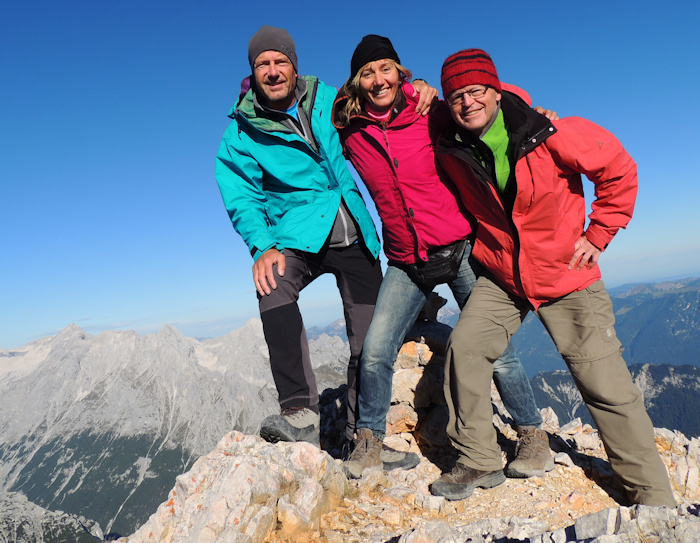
{"points": [[100, 426], [671, 395], [659, 327], [657, 323], [334, 329], [24, 522]]}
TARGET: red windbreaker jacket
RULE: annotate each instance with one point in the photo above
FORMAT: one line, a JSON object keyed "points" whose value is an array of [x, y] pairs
{"points": [[527, 249]]}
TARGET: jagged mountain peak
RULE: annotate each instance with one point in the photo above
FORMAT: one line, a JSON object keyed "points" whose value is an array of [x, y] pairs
{"points": [[123, 414], [252, 329], [335, 328], [72, 330], [116, 410], [169, 333], [25, 521]]}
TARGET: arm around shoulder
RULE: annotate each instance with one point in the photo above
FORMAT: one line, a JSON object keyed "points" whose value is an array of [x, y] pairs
{"points": [[520, 93]]}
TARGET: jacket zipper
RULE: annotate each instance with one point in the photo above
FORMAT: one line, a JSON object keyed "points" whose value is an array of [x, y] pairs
{"points": [[472, 162], [393, 164]]}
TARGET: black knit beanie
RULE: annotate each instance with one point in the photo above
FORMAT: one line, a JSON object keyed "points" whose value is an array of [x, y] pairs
{"points": [[371, 48], [270, 38]]}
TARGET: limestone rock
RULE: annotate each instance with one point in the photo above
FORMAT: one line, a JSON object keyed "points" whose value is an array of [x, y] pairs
{"points": [[401, 418], [250, 491], [412, 386], [413, 354], [245, 488]]}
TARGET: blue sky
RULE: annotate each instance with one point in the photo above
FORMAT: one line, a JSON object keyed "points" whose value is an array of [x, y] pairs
{"points": [[111, 113]]}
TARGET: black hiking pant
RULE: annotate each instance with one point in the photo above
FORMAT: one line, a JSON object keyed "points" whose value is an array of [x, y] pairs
{"points": [[358, 276]]}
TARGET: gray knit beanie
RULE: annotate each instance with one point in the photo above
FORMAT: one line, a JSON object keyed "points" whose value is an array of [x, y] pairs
{"points": [[270, 38]]}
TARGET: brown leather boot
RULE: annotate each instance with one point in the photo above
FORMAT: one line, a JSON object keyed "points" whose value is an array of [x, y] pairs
{"points": [[365, 455], [532, 455]]}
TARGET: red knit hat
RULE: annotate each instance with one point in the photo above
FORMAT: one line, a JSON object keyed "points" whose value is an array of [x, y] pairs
{"points": [[468, 67]]}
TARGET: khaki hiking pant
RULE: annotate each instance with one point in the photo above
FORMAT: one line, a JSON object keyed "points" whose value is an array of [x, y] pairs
{"points": [[582, 327]]}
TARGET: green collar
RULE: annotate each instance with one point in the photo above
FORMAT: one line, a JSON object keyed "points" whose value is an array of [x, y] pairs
{"points": [[498, 140]]}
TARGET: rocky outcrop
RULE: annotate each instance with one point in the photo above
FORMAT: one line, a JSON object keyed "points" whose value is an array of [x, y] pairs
{"points": [[100, 426], [248, 490]]}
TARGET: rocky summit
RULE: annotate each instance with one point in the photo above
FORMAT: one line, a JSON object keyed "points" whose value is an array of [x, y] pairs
{"points": [[248, 490]]}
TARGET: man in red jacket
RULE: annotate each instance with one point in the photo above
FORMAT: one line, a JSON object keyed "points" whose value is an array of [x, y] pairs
{"points": [[519, 174]]}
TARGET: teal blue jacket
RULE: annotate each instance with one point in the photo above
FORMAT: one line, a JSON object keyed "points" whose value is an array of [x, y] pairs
{"points": [[281, 192]]}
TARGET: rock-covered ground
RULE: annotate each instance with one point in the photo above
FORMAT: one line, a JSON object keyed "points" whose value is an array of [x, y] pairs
{"points": [[247, 490]]}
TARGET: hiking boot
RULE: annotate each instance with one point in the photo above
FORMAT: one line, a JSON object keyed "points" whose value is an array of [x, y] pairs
{"points": [[393, 459], [532, 455], [346, 449], [365, 455], [293, 424], [462, 480]]}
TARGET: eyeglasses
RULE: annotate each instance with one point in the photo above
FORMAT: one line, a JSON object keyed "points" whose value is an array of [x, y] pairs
{"points": [[457, 97]]}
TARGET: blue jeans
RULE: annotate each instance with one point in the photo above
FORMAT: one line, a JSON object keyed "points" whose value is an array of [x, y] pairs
{"points": [[398, 304]]}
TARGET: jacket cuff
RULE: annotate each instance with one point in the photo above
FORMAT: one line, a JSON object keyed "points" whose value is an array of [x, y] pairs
{"points": [[255, 252], [598, 238]]}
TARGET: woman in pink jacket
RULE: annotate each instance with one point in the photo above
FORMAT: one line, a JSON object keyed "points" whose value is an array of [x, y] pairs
{"points": [[427, 241]]}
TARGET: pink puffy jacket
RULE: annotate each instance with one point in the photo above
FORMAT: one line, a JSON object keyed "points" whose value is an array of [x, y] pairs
{"points": [[397, 163]]}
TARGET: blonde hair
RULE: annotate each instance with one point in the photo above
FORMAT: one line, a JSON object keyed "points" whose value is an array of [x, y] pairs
{"points": [[353, 92]]}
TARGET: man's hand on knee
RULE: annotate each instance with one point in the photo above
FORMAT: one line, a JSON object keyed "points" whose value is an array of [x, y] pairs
{"points": [[263, 271]]}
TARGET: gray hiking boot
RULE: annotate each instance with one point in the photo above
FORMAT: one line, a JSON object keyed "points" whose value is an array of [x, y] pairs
{"points": [[462, 480], [293, 424], [393, 459], [365, 455], [532, 455]]}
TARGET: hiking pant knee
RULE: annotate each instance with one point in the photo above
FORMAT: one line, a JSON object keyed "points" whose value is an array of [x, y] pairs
{"points": [[582, 326], [358, 276]]}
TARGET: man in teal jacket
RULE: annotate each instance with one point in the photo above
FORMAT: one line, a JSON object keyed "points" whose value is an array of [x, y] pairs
{"points": [[290, 196]]}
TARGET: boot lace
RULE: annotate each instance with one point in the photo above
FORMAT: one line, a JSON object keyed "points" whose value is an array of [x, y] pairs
{"points": [[363, 448], [529, 446]]}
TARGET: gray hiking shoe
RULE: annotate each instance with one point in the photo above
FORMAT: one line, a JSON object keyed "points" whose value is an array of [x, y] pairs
{"points": [[365, 455], [532, 455], [393, 459], [462, 480], [293, 424]]}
